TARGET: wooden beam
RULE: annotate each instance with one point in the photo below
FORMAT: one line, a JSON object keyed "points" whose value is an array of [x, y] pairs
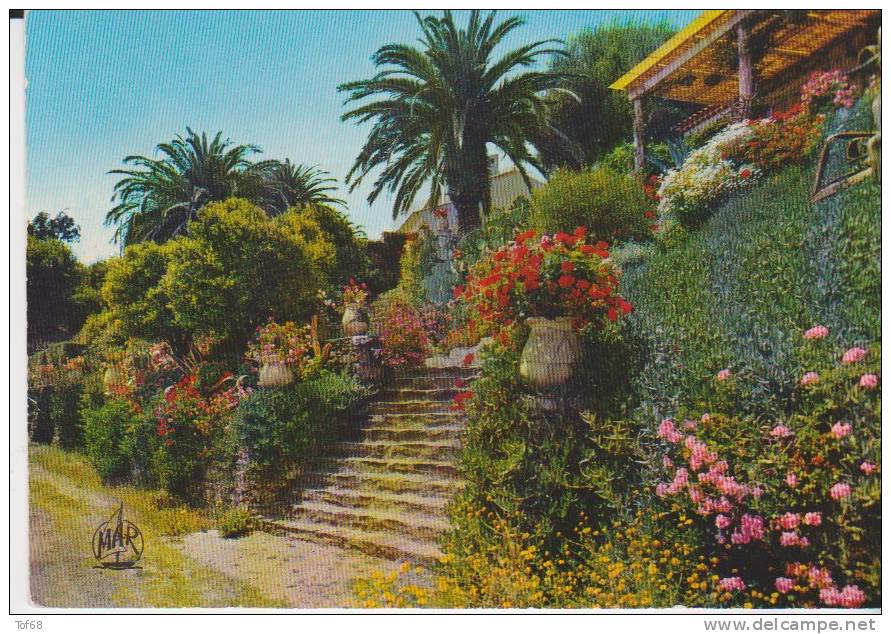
{"points": [[685, 56], [746, 72], [638, 129]]}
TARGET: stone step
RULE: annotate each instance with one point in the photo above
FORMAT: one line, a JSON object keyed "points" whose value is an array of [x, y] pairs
{"points": [[428, 383], [376, 481], [417, 408], [436, 433], [379, 544], [384, 449], [369, 519], [411, 393], [414, 421], [441, 468], [423, 372], [405, 502]]}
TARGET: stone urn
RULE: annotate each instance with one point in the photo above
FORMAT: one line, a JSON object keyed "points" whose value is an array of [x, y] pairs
{"points": [[551, 354], [275, 374], [113, 377], [355, 320]]}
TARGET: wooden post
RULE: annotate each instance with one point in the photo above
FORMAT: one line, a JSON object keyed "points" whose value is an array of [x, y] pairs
{"points": [[746, 72], [638, 129]]}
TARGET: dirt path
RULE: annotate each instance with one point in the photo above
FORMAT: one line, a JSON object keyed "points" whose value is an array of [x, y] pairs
{"points": [[199, 569], [298, 573]]}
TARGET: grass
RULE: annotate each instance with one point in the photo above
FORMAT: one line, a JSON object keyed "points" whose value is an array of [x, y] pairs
{"points": [[69, 501], [739, 292]]}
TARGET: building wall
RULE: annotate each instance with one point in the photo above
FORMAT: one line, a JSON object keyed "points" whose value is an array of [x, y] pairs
{"points": [[505, 188]]}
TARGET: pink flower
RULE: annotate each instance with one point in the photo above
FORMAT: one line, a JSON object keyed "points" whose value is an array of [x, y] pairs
{"points": [[788, 538], [804, 542], [840, 430], [854, 355], [724, 374], [751, 527], [788, 521], [840, 491], [729, 584], [819, 577], [667, 431], [791, 479], [869, 381], [705, 418], [867, 467], [781, 431], [666, 462], [722, 521], [810, 378], [689, 425], [817, 332], [757, 492], [695, 494], [661, 489], [847, 597], [813, 519], [784, 584]]}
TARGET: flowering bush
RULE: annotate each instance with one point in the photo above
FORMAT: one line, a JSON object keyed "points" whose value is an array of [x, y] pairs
{"points": [[402, 332], [285, 343], [546, 276], [825, 89], [355, 292], [706, 178], [784, 138], [791, 508], [187, 422]]}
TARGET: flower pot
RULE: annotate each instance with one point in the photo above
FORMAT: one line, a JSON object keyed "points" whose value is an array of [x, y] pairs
{"points": [[551, 354], [113, 377], [355, 320], [275, 375]]}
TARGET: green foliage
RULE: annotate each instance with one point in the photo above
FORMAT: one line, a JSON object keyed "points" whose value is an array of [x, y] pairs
{"points": [[234, 522], [106, 429], [609, 204], [62, 227], [597, 118], [738, 292], [138, 303], [236, 269], [286, 427], [53, 274]]}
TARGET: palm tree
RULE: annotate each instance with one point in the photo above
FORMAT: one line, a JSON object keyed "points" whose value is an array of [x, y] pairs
{"points": [[438, 107], [289, 185], [158, 197]]}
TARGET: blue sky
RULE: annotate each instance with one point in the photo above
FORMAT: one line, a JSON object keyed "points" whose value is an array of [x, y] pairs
{"points": [[106, 84]]}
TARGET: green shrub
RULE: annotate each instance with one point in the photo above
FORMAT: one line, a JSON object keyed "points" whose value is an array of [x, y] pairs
{"points": [[609, 204], [105, 428], [288, 426], [234, 522]]}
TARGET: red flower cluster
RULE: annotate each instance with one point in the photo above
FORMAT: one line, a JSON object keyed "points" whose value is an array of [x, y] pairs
{"points": [[545, 276]]}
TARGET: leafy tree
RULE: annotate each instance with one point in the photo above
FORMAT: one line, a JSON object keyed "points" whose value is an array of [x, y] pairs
{"points": [[437, 108], [158, 197], [236, 269], [289, 185], [62, 227], [53, 273], [594, 117]]}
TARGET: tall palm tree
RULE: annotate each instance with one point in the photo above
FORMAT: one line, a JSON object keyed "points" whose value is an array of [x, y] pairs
{"points": [[288, 185], [437, 108], [158, 197]]}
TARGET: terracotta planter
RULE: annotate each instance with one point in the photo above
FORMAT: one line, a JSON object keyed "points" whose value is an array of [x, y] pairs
{"points": [[355, 320], [275, 375], [113, 378], [551, 354]]}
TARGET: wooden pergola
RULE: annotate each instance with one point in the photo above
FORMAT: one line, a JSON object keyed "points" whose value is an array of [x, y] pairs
{"points": [[710, 62]]}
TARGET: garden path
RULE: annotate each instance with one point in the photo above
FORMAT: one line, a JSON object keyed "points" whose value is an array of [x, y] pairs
{"points": [[385, 495]]}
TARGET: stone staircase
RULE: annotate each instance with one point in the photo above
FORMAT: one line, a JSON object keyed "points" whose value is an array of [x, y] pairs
{"points": [[385, 493]]}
